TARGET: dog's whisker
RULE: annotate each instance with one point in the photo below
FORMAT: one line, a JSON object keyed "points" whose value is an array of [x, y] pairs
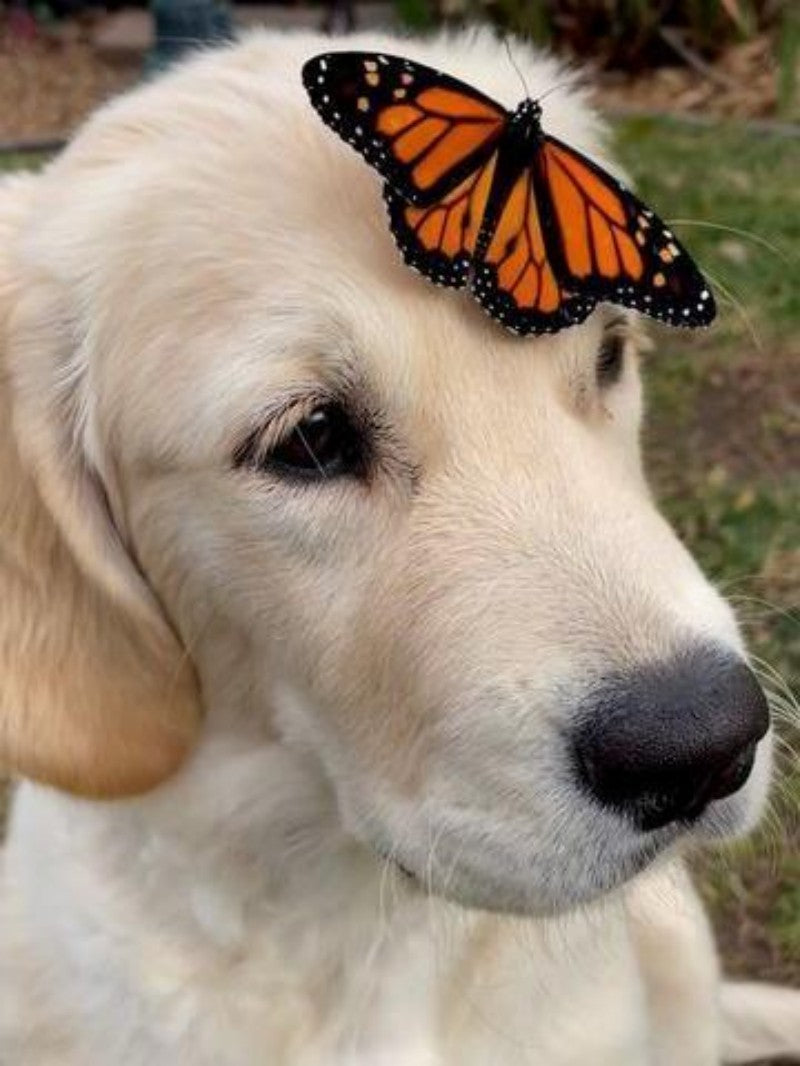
{"points": [[736, 231], [770, 674], [737, 304]]}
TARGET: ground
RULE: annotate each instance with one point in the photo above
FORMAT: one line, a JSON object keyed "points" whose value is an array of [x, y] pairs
{"points": [[723, 447]]}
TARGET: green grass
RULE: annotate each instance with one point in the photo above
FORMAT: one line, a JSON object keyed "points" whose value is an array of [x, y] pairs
{"points": [[723, 447], [22, 161]]}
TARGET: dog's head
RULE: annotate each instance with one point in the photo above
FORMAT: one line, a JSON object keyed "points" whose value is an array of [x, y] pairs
{"points": [[378, 529]]}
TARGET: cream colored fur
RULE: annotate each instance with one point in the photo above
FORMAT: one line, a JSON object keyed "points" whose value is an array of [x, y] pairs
{"points": [[237, 694]]}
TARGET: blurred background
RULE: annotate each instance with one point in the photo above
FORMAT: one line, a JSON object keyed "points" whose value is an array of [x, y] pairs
{"points": [[701, 98]]}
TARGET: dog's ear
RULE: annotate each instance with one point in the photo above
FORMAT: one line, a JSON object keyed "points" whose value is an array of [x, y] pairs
{"points": [[97, 696]]}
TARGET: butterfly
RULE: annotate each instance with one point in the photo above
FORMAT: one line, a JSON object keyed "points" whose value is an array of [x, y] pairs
{"points": [[482, 197]]}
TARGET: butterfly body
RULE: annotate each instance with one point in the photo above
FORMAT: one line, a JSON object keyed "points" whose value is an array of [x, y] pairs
{"points": [[483, 197], [524, 128], [516, 146]]}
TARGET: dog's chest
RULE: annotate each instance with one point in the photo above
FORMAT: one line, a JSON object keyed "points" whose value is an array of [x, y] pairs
{"points": [[166, 959], [307, 1004], [446, 990], [453, 991]]}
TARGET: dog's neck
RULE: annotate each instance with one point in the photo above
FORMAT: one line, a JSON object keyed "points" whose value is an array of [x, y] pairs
{"points": [[241, 858]]}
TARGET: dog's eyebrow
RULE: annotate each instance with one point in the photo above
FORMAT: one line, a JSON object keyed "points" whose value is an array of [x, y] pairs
{"points": [[336, 367], [631, 327], [617, 320]]}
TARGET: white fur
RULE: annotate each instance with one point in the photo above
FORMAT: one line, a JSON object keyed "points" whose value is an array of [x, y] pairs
{"points": [[384, 670]]}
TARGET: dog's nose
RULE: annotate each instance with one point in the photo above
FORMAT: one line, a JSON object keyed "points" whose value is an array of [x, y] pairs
{"points": [[659, 744]]}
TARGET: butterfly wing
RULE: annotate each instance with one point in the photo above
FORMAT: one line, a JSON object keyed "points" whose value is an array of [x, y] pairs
{"points": [[515, 279], [439, 240], [424, 131], [611, 246]]}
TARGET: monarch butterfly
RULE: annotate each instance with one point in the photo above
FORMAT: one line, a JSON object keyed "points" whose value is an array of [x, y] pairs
{"points": [[482, 197]]}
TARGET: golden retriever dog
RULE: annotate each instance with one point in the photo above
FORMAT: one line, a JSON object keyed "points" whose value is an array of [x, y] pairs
{"points": [[363, 702]]}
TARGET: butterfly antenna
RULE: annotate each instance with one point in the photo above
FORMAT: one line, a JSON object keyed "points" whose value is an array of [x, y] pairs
{"points": [[513, 63], [567, 83]]}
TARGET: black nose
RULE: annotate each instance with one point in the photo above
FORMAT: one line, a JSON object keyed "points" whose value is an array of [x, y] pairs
{"points": [[659, 744]]}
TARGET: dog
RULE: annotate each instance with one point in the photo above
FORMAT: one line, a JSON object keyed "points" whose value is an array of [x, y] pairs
{"points": [[362, 700]]}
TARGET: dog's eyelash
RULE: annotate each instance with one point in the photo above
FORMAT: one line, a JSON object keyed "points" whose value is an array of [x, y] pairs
{"points": [[621, 341], [381, 446], [274, 426], [610, 364]]}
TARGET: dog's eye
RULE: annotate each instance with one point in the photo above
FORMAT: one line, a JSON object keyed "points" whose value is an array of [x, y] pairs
{"points": [[610, 360], [324, 444]]}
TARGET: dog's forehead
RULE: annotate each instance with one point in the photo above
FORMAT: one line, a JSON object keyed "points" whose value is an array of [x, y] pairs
{"points": [[288, 302], [239, 313], [245, 246]]}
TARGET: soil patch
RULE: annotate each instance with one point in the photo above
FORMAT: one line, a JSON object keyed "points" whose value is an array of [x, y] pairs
{"points": [[57, 75], [742, 83], [748, 416], [744, 914], [54, 80]]}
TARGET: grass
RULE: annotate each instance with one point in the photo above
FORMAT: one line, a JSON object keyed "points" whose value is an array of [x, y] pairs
{"points": [[11, 161], [723, 447]]}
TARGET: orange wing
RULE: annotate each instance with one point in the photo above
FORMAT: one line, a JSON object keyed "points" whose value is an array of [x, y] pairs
{"points": [[424, 131], [440, 240], [592, 218], [608, 245], [515, 280]]}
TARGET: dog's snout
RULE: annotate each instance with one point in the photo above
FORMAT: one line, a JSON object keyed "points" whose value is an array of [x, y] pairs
{"points": [[659, 744]]}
